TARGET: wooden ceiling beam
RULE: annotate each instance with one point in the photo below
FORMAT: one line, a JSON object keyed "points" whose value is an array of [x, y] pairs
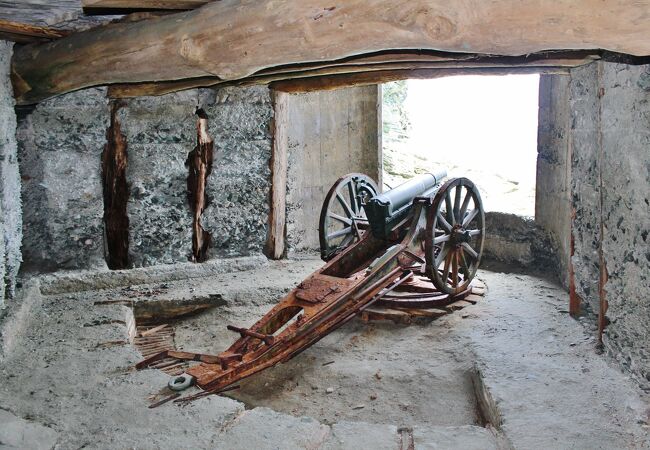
{"points": [[235, 39]]}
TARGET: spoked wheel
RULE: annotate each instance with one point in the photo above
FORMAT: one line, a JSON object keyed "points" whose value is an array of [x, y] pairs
{"points": [[342, 217], [455, 235]]}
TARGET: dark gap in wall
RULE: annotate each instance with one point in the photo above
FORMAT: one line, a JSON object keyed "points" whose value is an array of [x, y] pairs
{"points": [[116, 193], [199, 164]]}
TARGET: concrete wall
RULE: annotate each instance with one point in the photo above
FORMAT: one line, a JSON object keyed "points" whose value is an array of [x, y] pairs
{"points": [[60, 144], [553, 186], [331, 133], [10, 202], [608, 141]]}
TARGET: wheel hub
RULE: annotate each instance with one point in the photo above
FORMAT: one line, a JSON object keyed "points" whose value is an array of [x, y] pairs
{"points": [[459, 235]]}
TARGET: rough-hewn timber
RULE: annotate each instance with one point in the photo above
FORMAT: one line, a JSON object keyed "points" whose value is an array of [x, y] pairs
{"points": [[232, 39]]}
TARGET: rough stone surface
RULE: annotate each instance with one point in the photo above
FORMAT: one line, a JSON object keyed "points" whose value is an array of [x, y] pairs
{"points": [[610, 186], [10, 201], [518, 242], [585, 190], [626, 213], [160, 132], [59, 147], [331, 134], [20, 433], [239, 121], [553, 188]]}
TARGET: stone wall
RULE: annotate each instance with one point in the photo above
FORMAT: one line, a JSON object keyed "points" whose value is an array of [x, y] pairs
{"points": [[239, 121], [10, 202], [60, 144], [160, 132], [331, 133], [585, 192], [608, 142], [625, 171], [60, 147]]}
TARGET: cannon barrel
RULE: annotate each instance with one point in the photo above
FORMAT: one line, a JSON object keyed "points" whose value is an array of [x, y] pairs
{"points": [[386, 209]]}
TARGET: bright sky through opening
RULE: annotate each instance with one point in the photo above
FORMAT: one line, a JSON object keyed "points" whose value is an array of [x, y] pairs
{"points": [[481, 127]]}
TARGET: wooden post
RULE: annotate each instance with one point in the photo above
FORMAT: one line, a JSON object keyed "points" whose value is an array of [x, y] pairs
{"points": [[276, 243]]}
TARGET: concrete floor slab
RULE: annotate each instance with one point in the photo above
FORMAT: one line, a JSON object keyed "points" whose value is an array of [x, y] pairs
{"points": [[265, 429], [356, 435], [538, 370], [467, 437]]}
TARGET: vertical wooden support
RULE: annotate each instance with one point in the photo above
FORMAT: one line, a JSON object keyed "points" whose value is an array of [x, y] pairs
{"points": [[276, 242], [199, 164], [116, 193]]}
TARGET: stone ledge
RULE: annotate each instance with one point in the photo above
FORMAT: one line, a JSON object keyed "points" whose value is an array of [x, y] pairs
{"points": [[89, 280]]}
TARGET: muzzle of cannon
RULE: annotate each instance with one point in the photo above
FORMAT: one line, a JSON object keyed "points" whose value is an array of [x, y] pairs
{"points": [[372, 243]]}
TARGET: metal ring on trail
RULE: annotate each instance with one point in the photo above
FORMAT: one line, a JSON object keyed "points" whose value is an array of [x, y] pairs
{"points": [[180, 382]]}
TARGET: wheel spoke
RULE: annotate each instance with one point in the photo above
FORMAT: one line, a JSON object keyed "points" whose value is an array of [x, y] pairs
{"points": [[344, 204], [450, 211], [470, 217], [353, 196], [463, 208], [454, 268], [343, 232], [473, 233], [346, 241], [445, 270], [464, 265], [458, 193], [440, 239], [446, 225], [468, 248], [342, 219], [441, 256]]}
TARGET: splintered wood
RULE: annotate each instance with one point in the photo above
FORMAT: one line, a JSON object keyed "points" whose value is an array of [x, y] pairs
{"points": [[152, 340]]}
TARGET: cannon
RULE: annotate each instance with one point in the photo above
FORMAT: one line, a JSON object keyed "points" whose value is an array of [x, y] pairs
{"points": [[372, 243]]}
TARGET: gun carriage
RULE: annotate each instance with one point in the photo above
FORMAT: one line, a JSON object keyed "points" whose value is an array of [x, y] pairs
{"points": [[421, 232]]}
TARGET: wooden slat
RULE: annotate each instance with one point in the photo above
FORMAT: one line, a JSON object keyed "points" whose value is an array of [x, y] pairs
{"points": [[25, 33], [233, 40], [347, 74], [126, 5]]}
